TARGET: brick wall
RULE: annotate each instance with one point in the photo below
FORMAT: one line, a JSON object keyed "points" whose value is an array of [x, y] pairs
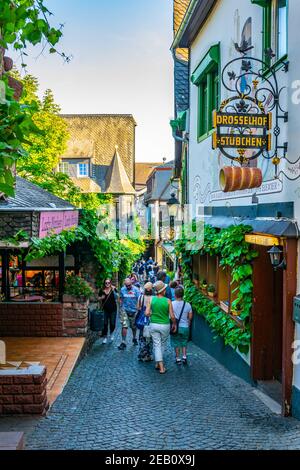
{"points": [[23, 392], [75, 316], [31, 319]]}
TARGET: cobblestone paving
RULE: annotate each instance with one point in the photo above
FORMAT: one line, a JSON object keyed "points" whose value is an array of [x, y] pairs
{"points": [[112, 401]]}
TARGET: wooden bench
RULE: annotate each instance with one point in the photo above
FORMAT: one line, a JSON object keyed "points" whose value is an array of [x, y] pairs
{"points": [[11, 441]]}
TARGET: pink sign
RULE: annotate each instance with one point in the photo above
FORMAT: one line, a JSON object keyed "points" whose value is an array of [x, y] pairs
{"points": [[56, 222]]}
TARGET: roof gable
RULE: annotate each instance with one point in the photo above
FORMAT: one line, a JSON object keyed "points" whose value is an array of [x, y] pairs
{"points": [[117, 181], [97, 134]]}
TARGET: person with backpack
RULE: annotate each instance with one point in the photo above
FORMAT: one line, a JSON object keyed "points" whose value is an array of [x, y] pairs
{"points": [[184, 315], [108, 298], [145, 344]]}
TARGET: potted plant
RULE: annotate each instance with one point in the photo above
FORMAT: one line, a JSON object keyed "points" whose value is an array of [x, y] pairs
{"points": [[77, 287], [204, 285], [236, 309], [211, 290]]}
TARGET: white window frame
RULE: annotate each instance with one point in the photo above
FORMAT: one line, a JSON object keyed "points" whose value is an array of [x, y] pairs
{"points": [[64, 164], [78, 170], [275, 32]]}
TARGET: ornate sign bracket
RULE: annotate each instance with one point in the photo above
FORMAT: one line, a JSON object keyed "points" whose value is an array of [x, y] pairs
{"points": [[248, 123]]}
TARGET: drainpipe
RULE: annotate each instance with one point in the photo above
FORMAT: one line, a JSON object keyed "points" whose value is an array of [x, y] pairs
{"points": [[179, 139]]}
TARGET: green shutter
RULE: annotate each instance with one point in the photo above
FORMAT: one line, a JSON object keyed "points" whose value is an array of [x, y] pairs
{"points": [[210, 100], [200, 109], [267, 31], [210, 59], [261, 3]]}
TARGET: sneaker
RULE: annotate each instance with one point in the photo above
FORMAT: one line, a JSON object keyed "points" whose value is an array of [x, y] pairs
{"points": [[104, 341], [135, 341], [184, 361], [178, 361], [122, 346], [112, 338]]}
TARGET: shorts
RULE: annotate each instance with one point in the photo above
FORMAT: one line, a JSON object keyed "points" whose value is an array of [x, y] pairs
{"points": [[180, 340], [127, 319]]}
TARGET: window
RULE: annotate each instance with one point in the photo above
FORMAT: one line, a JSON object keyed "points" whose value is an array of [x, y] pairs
{"points": [[282, 19], [64, 167], [275, 28], [206, 78], [83, 169]]}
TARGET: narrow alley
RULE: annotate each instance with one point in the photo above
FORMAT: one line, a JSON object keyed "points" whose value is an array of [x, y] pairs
{"points": [[112, 401]]}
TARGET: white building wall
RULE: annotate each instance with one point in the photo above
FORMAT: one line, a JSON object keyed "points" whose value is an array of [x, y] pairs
{"points": [[205, 163], [225, 26]]}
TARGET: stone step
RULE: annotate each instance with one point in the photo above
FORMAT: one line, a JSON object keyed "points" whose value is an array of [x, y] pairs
{"points": [[11, 441]]}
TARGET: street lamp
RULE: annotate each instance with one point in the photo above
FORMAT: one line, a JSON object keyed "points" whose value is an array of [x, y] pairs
{"points": [[173, 205], [275, 254]]}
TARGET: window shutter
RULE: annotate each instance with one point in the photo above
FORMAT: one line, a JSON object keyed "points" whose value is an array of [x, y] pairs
{"points": [[261, 3]]}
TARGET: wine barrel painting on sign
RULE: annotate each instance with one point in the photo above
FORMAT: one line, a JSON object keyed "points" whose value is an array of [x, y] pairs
{"points": [[235, 178]]}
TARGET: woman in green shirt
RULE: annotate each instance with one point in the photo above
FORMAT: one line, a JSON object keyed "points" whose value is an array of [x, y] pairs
{"points": [[160, 311]]}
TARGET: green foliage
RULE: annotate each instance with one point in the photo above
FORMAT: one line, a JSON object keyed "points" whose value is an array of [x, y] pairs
{"points": [[53, 244], [219, 321], [44, 148], [16, 125], [19, 237], [78, 287], [26, 22], [111, 256], [22, 23], [230, 245]]}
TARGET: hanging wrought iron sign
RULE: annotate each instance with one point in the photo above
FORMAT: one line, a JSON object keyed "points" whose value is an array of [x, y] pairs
{"points": [[247, 125]]}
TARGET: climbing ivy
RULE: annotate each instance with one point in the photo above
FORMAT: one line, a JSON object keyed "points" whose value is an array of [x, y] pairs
{"points": [[112, 255], [229, 244]]}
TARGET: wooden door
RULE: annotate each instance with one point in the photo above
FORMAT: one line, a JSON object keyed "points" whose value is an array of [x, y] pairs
{"points": [[267, 325]]}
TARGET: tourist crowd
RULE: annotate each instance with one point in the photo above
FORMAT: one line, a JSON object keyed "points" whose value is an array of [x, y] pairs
{"points": [[153, 307]]}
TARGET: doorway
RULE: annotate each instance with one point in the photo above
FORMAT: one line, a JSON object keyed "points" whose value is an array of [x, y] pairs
{"points": [[267, 325]]}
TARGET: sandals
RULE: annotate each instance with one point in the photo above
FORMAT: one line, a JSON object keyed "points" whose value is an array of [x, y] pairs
{"points": [[161, 371]]}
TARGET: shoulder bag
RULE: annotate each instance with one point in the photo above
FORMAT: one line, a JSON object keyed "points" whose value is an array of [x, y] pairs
{"points": [[174, 333]]}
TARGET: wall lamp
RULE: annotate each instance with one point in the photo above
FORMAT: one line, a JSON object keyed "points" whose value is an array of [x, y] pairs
{"points": [[275, 254]]}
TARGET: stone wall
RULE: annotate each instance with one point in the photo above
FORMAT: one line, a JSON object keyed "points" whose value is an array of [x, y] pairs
{"points": [[13, 222], [75, 316], [45, 319], [31, 319], [23, 391]]}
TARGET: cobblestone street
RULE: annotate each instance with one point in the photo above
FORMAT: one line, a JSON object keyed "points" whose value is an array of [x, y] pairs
{"points": [[112, 401]]}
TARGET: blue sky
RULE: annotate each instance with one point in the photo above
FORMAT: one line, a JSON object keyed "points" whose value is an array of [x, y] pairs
{"points": [[121, 64]]}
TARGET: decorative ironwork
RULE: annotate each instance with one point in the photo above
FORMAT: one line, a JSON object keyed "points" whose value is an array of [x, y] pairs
{"points": [[255, 91]]}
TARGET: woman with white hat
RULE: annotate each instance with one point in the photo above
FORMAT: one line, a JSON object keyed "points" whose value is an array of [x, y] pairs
{"points": [[160, 311]]}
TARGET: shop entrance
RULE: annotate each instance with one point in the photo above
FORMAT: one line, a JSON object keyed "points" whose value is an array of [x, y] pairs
{"points": [[267, 325]]}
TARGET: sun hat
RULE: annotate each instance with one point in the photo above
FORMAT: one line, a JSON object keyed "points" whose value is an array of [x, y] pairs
{"points": [[159, 286], [148, 286]]}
